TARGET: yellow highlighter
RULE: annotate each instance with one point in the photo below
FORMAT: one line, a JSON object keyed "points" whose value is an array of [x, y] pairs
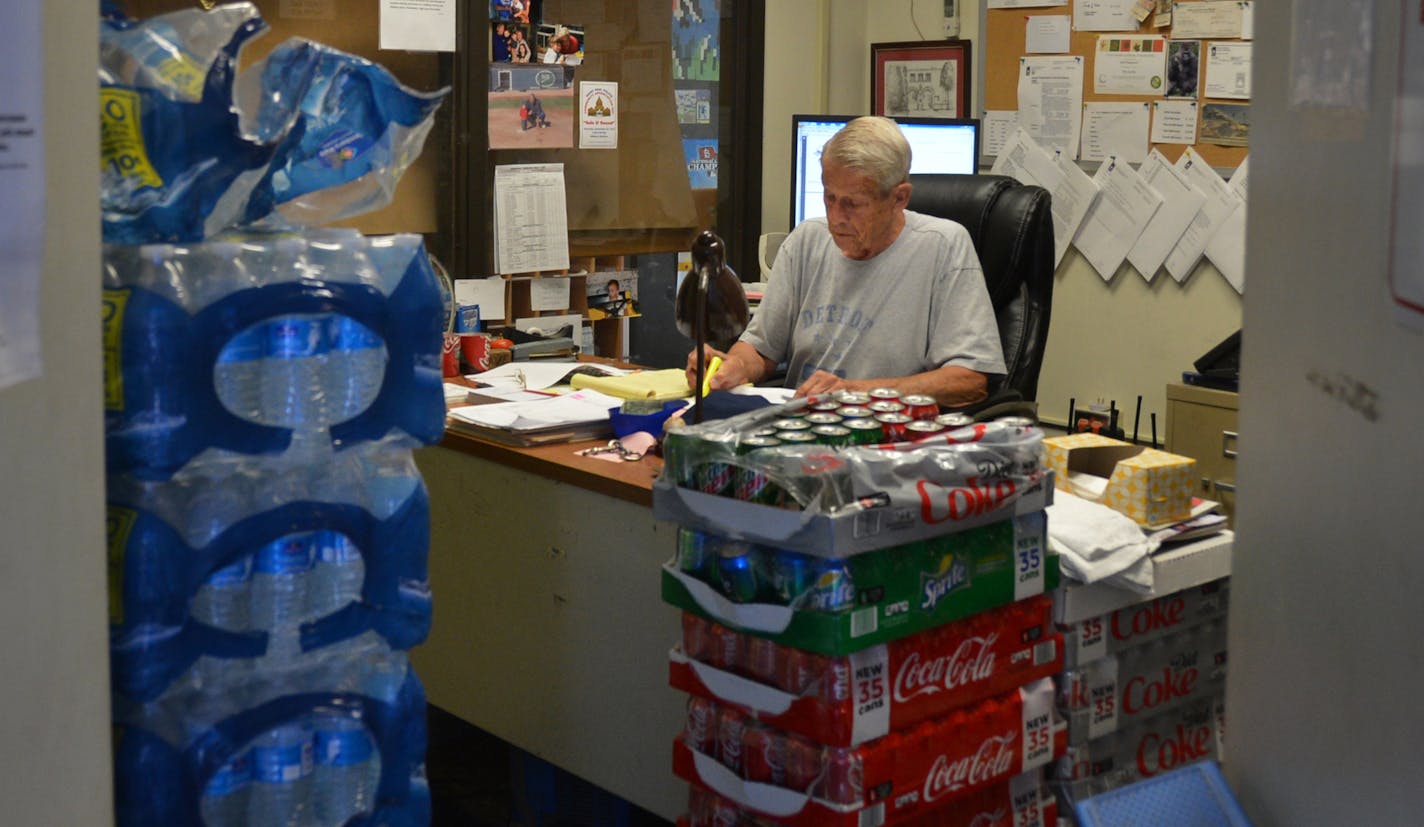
{"points": [[711, 371]]}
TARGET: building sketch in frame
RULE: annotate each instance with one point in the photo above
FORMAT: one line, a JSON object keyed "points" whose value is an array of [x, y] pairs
{"points": [[921, 89]]}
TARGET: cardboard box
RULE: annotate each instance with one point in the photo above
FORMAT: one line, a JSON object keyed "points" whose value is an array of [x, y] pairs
{"points": [[1105, 634], [897, 591], [1152, 487]]}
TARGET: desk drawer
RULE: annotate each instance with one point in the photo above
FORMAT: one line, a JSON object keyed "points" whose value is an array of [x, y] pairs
{"points": [[1201, 423]]}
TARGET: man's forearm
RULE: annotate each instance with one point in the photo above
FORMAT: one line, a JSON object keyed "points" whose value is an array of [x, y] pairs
{"points": [[755, 366], [951, 385]]}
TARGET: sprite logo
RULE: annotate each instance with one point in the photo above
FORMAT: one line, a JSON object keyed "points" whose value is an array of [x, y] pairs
{"points": [[953, 574], [832, 591]]}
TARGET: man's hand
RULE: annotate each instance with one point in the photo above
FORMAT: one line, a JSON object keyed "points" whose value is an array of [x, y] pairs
{"points": [[821, 382], [742, 365]]}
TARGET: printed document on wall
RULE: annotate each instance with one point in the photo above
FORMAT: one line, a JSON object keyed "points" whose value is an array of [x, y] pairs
{"points": [[1206, 19], [1125, 203], [418, 25], [1130, 65], [995, 129], [1228, 71], [1047, 34], [530, 218], [1220, 203], [1104, 16], [1174, 122], [22, 193], [1180, 203], [1115, 129], [1227, 248], [1050, 100], [1024, 4]]}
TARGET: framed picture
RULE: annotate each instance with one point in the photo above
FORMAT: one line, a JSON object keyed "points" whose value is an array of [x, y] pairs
{"points": [[920, 78]]}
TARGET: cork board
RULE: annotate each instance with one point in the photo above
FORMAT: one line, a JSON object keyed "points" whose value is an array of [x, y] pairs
{"points": [[1005, 31]]}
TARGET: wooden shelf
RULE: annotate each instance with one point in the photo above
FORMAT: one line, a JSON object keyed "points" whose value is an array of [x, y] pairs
{"points": [[609, 332]]}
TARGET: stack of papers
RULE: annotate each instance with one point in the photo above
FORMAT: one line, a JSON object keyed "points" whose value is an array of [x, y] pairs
{"points": [[578, 415], [649, 384]]}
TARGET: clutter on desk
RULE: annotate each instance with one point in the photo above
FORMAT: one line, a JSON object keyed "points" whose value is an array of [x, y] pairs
{"points": [[1095, 542], [1152, 487]]}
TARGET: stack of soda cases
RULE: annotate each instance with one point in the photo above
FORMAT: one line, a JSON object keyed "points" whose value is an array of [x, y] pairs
{"points": [[267, 527], [907, 684], [1142, 691]]}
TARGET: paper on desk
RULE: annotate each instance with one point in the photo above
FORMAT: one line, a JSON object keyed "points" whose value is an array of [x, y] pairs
{"points": [[1115, 128], [1227, 248], [1124, 205], [1050, 97], [1180, 203], [537, 375], [551, 412], [1220, 202]]}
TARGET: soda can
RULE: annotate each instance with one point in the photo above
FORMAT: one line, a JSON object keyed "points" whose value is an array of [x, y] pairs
{"points": [[765, 430], [731, 732], [727, 648], [790, 423], [825, 405], [842, 784], [791, 575], [694, 553], [801, 437], [822, 418], [763, 659], [954, 420], [802, 762], [889, 394], [855, 412], [835, 435], [921, 406], [1017, 421], [800, 670], [880, 406], [698, 641], [892, 426], [863, 431], [917, 429], [701, 730], [835, 681], [849, 397], [713, 478], [751, 484], [736, 571], [763, 756]]}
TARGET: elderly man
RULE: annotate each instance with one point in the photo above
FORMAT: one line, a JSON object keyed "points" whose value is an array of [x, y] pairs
{"points": [[873, 295]]}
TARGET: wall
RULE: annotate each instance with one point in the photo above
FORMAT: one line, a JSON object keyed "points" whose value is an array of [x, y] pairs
{"points": [[1109, 340], [1327, 659], [54, 732]]}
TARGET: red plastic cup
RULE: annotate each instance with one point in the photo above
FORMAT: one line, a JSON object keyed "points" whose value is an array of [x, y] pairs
{"points": [[475, 347]]}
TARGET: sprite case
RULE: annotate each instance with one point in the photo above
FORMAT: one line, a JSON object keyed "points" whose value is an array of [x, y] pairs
{"points": [[887, 594]]}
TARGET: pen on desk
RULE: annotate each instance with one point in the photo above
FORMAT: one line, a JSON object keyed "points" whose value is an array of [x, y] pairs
{"points": [[711, 371]]}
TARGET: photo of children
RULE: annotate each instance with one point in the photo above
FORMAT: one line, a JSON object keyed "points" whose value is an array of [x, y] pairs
{"points": [[557, 43], [511, 10], [531, 106], [613, 293]]}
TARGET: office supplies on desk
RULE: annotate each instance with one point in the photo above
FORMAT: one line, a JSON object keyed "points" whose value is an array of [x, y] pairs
{"points": [[578, 415], [670, 383]]}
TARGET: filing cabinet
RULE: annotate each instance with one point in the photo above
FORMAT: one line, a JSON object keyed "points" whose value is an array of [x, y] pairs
{"points": [[1201, 423]]}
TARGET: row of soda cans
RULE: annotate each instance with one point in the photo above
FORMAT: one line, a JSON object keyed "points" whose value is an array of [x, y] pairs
{"points": [[750, 573]]}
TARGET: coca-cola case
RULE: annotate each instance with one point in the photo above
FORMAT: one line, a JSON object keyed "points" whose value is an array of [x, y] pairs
{"points": [[1090, 639], [874, 597], [1118, 691], [847, 700], [1185, 735], [796, 782]]}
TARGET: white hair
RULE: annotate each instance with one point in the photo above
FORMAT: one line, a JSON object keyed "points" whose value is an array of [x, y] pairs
{"points": [[873, 146]]}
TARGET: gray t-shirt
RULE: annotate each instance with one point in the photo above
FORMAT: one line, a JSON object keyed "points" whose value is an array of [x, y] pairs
{"points": [[916, 306]]}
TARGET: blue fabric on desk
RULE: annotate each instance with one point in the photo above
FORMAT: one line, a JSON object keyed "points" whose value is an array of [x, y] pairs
{"points": [[722, 404]]}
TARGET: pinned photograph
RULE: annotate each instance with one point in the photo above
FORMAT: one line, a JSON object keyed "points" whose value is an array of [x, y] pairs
{"points": [[1226, 124], [518, 11], [613, 293], [531, 107], [701, 154], [1183, 68], [694, 106], [557, 43], [510, 43]]}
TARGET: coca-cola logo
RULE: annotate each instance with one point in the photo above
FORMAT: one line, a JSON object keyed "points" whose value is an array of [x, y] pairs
{"points": [[939, 503], [1144, 692], [972, 661], [999, 816], [1157, 753], [1154, 617], [994, 759], [953, 574]]}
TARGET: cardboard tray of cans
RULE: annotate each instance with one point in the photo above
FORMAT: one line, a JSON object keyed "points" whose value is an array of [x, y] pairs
{"points": [[851, 699], [1022, 801], [1118, 691], [837, 500], [1178, 737], [797, 782], [839, 606], [1087, 640]]}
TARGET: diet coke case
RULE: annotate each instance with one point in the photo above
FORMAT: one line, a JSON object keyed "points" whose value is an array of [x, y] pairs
{"points": [[1120, 690], [1023, 801], [1191, 733], [1105, 634], [851, 699], [794, 781]]}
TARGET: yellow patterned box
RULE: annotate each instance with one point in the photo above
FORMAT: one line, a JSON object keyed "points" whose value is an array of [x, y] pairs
{"points": [[1152, 487]]}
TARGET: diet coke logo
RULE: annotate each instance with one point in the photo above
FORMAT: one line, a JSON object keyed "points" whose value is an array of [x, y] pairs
{"points": [[1154, 617], [939, 503], [994, 759], [971, 662], [1158, 753], [1143, 693]]}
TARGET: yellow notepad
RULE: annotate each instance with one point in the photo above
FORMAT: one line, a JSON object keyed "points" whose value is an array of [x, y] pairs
{"points": [[647, 384]]}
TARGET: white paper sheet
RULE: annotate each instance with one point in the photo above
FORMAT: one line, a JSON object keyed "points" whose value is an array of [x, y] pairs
{"points": [[1013, 160], [1050, 96], [1130, 65], [531, 218], [566, 409], [1070, 189], [1228, 70], [1024, 4], [1124, 205], [995, 128], [1220, 202], [1174, 122], [598, 114], [1116, 129], [550, 293], [22, 193], [1248, 19], [1206, 18], [418, 25], [1227, 248], [546, 325], [1047, 34], [1180, 203], [487, 293], [538, 374], [1104, 16]]}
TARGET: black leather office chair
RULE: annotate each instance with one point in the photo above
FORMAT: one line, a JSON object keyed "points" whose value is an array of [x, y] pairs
{"points": [[1012, 229]]}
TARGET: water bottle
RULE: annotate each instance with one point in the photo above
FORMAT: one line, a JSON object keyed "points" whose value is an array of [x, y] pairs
{"points": [[282, 777], [347, 769], [280, 585], [339, 573], [225, 798], [294, 360], [223, 600], [356, 363]]}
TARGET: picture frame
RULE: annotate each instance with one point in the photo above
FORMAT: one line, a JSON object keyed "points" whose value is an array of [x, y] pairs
{"points": [[921, 79]]}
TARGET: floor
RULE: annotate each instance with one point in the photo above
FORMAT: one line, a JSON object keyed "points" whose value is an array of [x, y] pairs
{"points": [[478, 780]]}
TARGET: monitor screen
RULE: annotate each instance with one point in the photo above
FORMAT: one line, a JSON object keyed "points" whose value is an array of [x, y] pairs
{"points": [[936, 145]]}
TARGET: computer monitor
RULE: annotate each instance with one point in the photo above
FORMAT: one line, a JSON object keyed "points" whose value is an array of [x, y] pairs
{"points": [[936, 145]]}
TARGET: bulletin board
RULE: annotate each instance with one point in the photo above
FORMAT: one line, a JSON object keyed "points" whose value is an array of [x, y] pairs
{"points": [[1005, 31]]}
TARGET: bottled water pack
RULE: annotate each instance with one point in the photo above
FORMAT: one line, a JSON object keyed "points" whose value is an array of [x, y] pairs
{"points": [[168, 53], [239, 562], [338, 741], [237, 345]]}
